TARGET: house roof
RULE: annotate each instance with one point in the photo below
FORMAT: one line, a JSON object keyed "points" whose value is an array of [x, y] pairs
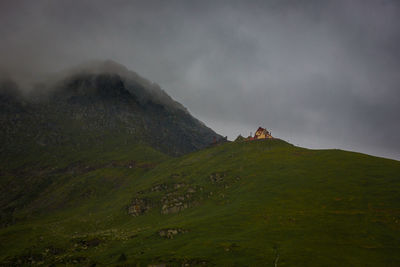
{"points": [[261, 129]]}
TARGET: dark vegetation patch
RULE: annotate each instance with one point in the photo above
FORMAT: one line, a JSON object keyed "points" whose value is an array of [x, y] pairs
{"points": [[87, 243]]}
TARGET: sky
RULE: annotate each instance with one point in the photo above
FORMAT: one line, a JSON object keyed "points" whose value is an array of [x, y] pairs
{"points": [[319, 74]]}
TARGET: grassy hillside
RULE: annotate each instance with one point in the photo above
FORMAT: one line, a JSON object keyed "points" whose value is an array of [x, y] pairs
{"points": [[261, 203]]}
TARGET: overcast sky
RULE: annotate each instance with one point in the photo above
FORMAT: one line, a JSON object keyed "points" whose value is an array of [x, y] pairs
{"points": [[319, 74]]}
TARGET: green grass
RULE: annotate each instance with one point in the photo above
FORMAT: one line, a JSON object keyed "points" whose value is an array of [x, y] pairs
{"points": [[249, 204]]}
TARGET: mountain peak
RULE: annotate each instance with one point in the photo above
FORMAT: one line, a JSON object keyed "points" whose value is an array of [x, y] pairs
{"points": [[102, 100], [100, 66], [106, 76], [103, 85]]}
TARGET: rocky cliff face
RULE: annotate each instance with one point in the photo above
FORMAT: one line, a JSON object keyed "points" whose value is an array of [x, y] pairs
{"points": [[97, 104]]}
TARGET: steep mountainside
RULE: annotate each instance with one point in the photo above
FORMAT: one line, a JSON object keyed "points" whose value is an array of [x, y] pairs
{"points": [[93, 104], [259, 203]]}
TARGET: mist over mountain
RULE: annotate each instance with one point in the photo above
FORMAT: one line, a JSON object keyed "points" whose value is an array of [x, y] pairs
{"points": [[93, 103]]}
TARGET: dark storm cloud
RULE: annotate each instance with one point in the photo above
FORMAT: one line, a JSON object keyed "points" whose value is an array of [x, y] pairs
{"points": [[318, 73]]}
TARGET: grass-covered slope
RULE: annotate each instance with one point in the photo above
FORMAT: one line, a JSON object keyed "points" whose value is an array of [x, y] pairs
{"points": [[261, 203]]}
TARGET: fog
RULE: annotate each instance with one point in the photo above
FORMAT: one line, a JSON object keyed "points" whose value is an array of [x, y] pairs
{"points": [[319, 74]]}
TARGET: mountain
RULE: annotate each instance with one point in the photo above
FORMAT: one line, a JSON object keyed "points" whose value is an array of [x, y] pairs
{"points": [[92, 105], [257, 203]]}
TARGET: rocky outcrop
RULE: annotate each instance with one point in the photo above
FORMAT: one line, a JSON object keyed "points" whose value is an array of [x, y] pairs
{"points": [[173, 205], [170, 233], [217, 177], [175, 198], [178, 200], [138, 207], [159, 188]]}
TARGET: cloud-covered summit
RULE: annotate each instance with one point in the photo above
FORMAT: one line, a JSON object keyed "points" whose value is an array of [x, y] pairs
{"points": [[143, 89]]}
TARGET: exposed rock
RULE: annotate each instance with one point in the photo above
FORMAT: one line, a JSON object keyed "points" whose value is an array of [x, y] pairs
{"points": [[178, 197], [217, 177], [138, 207], [191, 190], [159, 187], [174, 207], [179, 185], [170, 233], [173, 203]]}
